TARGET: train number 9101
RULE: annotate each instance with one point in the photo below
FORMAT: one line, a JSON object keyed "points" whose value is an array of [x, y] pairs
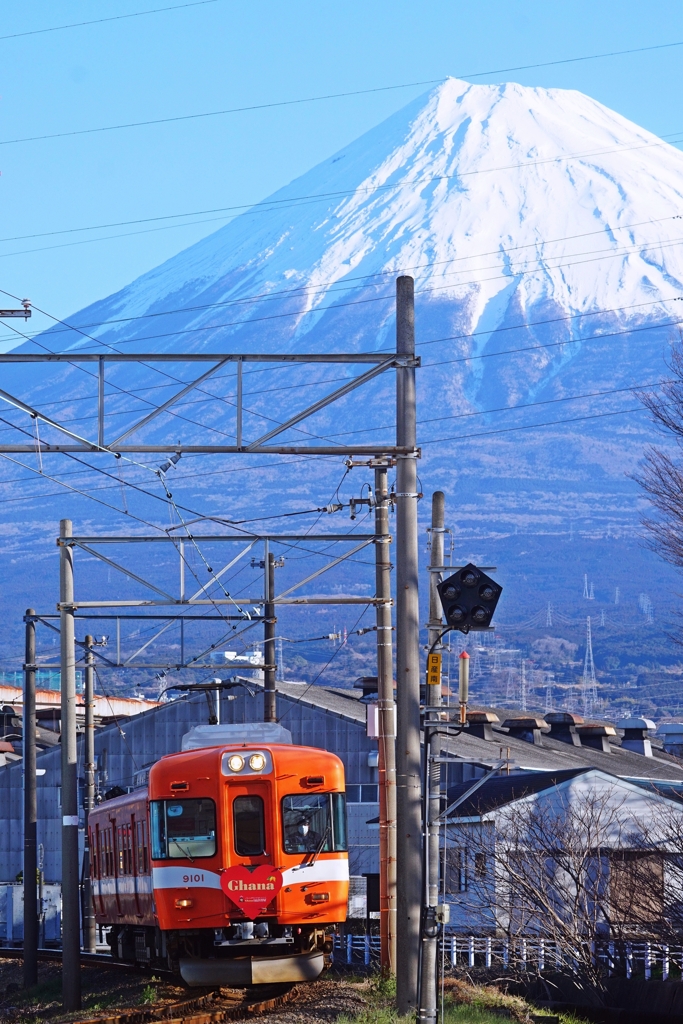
{"points": [[193, 878]]}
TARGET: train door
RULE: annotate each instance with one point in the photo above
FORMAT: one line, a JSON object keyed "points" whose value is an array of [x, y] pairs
{"points": [[134, 862], [142, 874], [117, 842], [252, 836]]}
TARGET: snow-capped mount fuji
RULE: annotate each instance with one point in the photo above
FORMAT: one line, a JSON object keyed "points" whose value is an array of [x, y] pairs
{"points": [[545, 236], [494, 197]]}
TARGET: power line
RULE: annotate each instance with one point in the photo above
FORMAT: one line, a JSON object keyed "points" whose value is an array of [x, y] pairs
{"points": [[379, 298], [99, 21], [533, 426], [333, 96], [154, 369], [324, 668], [342, 285]]}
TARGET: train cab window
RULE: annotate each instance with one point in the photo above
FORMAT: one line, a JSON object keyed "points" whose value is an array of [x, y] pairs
{"points": [[314, 822], [183, 828], [248, 825]]}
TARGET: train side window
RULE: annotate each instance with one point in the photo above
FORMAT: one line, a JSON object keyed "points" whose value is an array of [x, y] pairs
{"points": [[119, 844], [339, 832], [248, 825], [183, 828]]}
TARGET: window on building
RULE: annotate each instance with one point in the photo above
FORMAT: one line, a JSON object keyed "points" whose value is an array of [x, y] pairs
{"points": [[314, 822], [456, 870], [365, 793], [480, 865], [249, 831], [183, 828]]}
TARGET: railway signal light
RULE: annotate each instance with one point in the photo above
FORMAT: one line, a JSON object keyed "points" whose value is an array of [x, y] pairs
{"points": [[469, 598]]}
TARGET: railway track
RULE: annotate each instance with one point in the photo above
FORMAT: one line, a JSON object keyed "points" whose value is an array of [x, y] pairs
{"points": [[88, 960], [212, 1007]]}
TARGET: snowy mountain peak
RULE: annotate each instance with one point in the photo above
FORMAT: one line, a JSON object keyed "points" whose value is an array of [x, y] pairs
{"points": [[494, 196]]}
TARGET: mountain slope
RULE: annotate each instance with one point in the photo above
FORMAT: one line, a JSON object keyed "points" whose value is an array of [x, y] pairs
{"points": [[544, 234]]}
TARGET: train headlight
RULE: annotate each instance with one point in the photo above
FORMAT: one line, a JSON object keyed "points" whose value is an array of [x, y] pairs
{"points": [[235, 763], [257, 762]]}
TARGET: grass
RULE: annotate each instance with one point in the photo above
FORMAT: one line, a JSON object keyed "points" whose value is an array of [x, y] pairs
{"points": [[149, 994], [464, 1003]]}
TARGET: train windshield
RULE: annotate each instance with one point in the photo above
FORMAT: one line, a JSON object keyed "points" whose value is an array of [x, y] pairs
{"points": [[183, 828], [314, 823]]}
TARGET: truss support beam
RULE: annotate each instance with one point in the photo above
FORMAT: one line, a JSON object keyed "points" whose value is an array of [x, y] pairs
{"points": [[379, 450], [345, 389], [167, 405]]}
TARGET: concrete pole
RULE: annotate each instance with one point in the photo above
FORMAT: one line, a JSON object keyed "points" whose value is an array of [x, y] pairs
{"points": [[408, 797], [269, 695], [30, 808], [89, 923], [71, 978], [428, 988], [387, 730]]}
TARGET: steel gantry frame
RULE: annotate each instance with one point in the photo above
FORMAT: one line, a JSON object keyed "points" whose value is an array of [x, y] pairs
{"points": [[124, 442], [199, 599], [399, 720]]}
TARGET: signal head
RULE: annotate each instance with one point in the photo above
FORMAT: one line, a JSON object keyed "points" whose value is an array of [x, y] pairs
{"points": [[469, 598]]}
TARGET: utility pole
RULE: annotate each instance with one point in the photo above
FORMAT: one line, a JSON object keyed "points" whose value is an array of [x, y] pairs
{"points": [[89, 924], [30, 808], [387, 729], [270, 668], [428, 987], [71, 978], [408, 797]]}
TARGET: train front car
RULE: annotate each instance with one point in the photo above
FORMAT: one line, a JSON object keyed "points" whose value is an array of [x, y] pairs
{"points": [[249, 861]]}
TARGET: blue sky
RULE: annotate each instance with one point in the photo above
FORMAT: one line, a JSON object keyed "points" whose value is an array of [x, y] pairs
{"points": [[228, 54]]}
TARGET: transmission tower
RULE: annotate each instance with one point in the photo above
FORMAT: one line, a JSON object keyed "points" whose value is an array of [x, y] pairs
{"points": [[616, 596], [589, 684], [591, 595], [548, 692], [522, 702], [646, 608], [280, 662], [585, 585], [510, 687], [549, 615]]}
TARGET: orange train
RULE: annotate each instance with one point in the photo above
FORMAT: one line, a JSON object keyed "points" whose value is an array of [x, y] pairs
{"points": [[232, 867]]}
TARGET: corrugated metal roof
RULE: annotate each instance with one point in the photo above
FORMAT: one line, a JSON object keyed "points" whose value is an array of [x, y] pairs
{"points": [[502, 789]]}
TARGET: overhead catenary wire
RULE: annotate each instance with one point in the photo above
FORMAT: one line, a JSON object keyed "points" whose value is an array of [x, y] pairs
{"points": [[260, 207], [301, 696], [339, 95], [389, 297], [343, 283], [100, 21], [154, 369]]}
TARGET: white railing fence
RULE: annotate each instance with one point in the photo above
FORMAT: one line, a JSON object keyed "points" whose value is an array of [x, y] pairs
{"points": [[642, 959]]}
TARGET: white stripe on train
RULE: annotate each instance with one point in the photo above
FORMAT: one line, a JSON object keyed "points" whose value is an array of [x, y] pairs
{"points": [[183, 878]]}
